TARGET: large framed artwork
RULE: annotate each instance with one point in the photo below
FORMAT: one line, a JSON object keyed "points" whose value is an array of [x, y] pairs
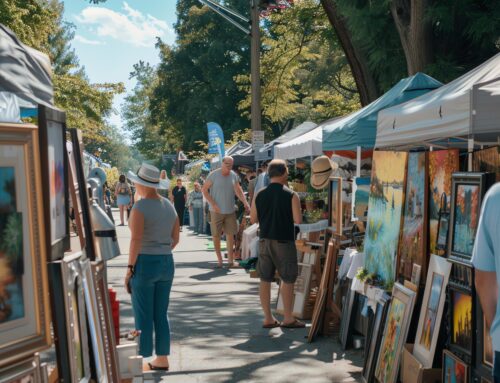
{"points": [[24, 293], [413, 242], [431, 312], [385, 205], [79, 195], [360, 193], [54, 160], [395, 332], [461, 322], [27, 371], [454, 369], [442, 164], [335, 204], [374, 337], [76, 321], [467, 194]]}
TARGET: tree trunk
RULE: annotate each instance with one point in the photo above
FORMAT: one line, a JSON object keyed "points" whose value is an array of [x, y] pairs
{"points": [[414, 31], [365, 83]]}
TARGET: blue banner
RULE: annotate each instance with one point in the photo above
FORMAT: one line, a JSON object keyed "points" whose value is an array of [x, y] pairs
{"points": [[215, 139]]}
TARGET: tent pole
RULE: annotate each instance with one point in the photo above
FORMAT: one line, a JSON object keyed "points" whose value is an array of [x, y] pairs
{"points": [[295, 164], [358, 161], [470, 149]]}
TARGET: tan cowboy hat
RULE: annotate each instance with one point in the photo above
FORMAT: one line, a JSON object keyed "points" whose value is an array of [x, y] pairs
{"points": [[148, 175], [321, 169]]}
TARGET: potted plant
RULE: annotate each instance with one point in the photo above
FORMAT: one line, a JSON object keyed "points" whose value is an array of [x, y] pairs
{"points": [[310, 202]]}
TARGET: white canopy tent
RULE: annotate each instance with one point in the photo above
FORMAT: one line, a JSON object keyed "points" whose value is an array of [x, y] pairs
{"points": [[466, 108], [307, 145]]}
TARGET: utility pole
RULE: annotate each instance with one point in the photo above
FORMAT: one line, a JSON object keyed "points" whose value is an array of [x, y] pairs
{"points": [[256, 112]]}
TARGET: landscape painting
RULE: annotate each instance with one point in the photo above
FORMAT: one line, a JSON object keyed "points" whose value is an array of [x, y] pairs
{"points": [[466, 218], [462, 320], [385, 205], [361, 192], [442, 164], [389, 346], [431, 310], [412, 246], [454, 370]]}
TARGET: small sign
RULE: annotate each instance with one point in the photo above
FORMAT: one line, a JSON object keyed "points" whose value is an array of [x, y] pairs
{"points": [[257, 140], [167, 157]]}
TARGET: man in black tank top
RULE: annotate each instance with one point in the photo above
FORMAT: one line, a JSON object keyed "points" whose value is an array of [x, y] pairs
{"points": [[276, 209]]}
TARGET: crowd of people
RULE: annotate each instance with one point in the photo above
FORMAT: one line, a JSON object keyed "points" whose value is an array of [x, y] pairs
{"points": [[155, 223]]}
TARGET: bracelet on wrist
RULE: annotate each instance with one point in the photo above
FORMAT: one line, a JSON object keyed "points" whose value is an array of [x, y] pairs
{"points": [[131, 268]]}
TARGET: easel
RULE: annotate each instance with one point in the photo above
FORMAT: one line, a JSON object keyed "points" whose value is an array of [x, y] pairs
{"points": [[333, 313]]}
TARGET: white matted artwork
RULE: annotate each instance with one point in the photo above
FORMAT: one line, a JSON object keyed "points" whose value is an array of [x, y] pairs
{"points": [[431, 313], [300, 291]]}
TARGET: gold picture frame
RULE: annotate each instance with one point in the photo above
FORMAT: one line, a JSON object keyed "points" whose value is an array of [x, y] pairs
{"points": [[25, 312]]}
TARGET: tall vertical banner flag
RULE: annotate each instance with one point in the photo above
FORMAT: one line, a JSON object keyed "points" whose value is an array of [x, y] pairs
{"points": [[215, 139]]}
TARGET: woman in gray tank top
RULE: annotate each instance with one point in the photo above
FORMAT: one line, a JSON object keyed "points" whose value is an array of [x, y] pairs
{"points": [[154, 228]]}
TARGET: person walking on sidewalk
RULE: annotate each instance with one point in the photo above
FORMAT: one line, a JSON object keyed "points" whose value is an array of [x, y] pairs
{"points": [[154, 228], [195, 203], [219, 190], [276, 209], [123, 195], [179, 198]]}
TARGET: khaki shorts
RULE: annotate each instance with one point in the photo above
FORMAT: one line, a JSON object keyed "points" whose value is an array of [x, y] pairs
{"points": [[223, 223], [277, 255]]}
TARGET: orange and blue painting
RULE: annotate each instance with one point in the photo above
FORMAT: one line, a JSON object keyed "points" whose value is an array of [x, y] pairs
{"points": [[462, 320], [454, 370], [385, 206]]}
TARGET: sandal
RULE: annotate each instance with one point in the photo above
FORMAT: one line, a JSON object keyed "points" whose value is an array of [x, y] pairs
{"points": [[272, 325], [152, 367], [295, 324]]}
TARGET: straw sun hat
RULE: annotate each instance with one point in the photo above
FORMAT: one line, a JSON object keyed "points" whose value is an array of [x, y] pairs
{"points": [[148, 175], [321, 169]]}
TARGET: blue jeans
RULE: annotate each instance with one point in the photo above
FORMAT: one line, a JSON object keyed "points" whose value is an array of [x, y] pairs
{"points": [[151, 285], [198, 219]]}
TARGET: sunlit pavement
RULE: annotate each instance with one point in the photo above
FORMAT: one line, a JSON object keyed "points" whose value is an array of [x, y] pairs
{"points": [[216, 326]]}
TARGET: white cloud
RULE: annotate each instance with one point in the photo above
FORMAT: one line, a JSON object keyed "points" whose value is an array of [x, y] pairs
{"points": [[131, 26], [84, 40]]}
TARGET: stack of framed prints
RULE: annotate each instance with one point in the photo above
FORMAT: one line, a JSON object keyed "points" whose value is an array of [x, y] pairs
{"points": [[24, 296]]}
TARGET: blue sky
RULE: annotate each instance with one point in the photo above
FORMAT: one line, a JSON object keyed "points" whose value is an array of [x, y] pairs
{"points": [[112, 36]]}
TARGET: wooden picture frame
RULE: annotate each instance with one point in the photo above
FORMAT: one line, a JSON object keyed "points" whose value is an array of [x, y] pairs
{"points": [[461, 310], [54, 161], [395, 332], [335, 217], [79, 195], [374, 337], [76, 318], [453, 365], [25, 312], [431, 312], [25, 371]]}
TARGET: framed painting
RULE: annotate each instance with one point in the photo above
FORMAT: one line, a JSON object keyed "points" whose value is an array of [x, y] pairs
{"points": [[27, 371], [360, 193], [413, 241], [484, 347], [54, 161], [431, 313], [79, 195], [301, 292], [443, 231], [395, 332], [76, 321], [335, 204], [374, 337], [442, 164], [385, 207], [96, 332], [454, 369], [461, 319], [468, 190], [24, 296]]}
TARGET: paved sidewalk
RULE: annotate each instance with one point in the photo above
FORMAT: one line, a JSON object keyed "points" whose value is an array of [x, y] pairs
{"points": [[216, 327]]}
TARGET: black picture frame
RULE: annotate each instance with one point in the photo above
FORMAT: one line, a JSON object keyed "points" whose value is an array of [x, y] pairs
{"points": [[481, 182], [346, 322], [464, 352], [482, 369], [80, 182], [374, 338], [52, 134]]}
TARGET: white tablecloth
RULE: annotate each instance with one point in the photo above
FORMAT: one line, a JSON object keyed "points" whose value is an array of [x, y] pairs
{"points": [[310, 227]]}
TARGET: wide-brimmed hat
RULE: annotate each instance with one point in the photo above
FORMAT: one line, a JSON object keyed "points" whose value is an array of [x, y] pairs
{"points": [[321, 169], [148, 175]]}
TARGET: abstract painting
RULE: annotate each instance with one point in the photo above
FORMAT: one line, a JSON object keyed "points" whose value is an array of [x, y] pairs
{"points": [[454, 370], [466, 218], [361, 192], [412, 246], [385, 205], [461, 325], [442, 164]]}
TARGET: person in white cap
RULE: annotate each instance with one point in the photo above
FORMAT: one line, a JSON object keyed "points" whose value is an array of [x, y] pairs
{"points": [[154, 228]]}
